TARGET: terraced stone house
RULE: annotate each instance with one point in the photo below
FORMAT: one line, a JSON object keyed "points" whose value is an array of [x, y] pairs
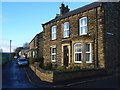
{"points": [[87, 36], [35, 46]]}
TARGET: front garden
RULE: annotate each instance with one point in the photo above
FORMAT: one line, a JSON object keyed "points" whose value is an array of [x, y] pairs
{"points": [[53, 73]]}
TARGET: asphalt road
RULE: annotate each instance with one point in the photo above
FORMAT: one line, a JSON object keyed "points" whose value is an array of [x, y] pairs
{"points": [[16, 77]]}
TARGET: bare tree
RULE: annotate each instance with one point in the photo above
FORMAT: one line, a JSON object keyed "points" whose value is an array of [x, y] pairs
{"points": [[26, 46]]}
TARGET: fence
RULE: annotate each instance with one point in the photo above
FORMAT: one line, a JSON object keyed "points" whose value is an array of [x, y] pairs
{"points": [[4, 58]]}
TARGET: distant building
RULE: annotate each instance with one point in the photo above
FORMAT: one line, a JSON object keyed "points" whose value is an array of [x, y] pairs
{"points": [[36, 46]]}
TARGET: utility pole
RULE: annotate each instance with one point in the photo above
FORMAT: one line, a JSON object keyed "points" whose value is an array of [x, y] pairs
{"points": [[10, 50]]}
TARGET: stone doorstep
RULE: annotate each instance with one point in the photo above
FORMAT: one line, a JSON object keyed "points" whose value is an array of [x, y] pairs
{"points": [[50, 76]]}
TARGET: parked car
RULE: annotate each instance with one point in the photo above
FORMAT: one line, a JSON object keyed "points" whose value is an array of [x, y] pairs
{"points": [[22, 61]]}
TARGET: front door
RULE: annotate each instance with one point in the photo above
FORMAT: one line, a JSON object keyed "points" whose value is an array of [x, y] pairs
{"points": [[66, 55]]}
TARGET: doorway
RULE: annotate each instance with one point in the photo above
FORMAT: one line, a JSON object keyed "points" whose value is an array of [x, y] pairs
{"points": [[65, 55]]}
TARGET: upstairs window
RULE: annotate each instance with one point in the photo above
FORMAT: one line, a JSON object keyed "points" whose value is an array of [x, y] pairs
{"points": [[53, 54], [53, 32], [83, 26], [66, 30], [88, 57]]}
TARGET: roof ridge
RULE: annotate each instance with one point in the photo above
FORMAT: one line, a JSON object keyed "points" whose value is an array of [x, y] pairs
{"points": [[75, 11]]}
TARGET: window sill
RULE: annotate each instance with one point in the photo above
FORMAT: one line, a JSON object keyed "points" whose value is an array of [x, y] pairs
{"points": [[53, 61], [89, 62], [65, 37], [77, 62], [53, 39], [83, 34]]}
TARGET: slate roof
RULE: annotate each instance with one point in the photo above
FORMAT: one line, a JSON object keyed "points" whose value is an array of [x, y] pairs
{"points": [[76, 11]]}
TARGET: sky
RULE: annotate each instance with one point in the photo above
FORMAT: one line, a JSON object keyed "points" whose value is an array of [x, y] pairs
{"points": [[21, 21]]}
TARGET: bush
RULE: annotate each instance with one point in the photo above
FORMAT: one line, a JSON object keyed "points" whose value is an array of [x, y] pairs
{"points": [[75, 68], [40, 64], [31, 60], [48, 66], [54, 66], [61, 68]]}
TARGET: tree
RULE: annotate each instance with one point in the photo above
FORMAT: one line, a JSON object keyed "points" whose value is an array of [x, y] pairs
{"points": [[22, 49], [17, 50], [26, 46]]}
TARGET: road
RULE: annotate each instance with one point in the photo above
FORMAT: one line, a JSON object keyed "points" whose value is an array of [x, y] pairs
{"points": [[14, 76]]}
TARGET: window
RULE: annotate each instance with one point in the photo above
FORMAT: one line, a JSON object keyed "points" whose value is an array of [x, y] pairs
{"points": [[66, 29], [83, 26], [53, 54], [88, 53], [53, 32], [77, 53], [33, 54]]}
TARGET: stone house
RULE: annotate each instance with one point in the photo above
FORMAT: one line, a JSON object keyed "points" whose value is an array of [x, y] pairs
{"points": [[86, 37], [35, 46]]}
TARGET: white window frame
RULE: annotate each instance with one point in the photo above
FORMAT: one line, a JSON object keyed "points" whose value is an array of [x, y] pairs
{"points": [[33, 54], [77, 52], [53, 32], [84, 25], [88, 52], [53, 53], [65, 30]]}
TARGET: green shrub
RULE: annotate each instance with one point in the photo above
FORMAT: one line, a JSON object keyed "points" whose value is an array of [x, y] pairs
{"points": [[61, 68], [31, 60], [54, 66], [40, 59], [48, 66], [40, 64], [74, 68]]}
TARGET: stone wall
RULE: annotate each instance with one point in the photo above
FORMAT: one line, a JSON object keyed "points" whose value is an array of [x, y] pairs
{"points": [[112, 35], [40, 44], [54, 76], [42, 74], [66, 75]]}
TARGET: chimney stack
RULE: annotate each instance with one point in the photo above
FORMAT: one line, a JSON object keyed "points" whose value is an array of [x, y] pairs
{"points": [[63, 9]]}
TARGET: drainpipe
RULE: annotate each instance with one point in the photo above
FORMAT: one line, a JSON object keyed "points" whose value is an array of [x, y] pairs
{"points": [[96, 40]]}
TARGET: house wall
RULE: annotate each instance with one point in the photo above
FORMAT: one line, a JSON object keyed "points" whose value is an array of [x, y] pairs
{"points": [[75, 37], [34, 46], [112, 42], [40, 45]]}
